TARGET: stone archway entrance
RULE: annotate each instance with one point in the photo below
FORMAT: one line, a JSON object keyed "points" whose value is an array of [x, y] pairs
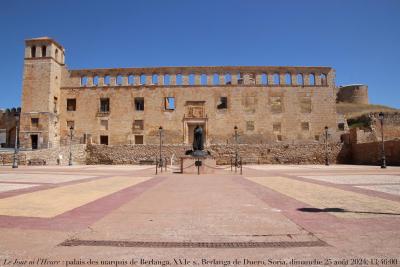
{"points": [[194, 115]]}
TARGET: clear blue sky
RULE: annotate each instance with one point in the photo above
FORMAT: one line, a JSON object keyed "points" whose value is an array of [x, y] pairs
{"points": [[359, 38]]}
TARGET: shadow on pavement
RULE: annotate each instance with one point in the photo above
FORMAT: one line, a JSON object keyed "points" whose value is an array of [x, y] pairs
{"points": [[343, 210]]}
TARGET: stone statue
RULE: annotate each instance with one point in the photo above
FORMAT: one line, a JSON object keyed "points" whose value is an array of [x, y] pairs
{"points": [[198, 140]]}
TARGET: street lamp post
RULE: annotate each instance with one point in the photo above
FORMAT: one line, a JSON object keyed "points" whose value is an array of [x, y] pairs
{"points": [[15, 159], [236, 146], [70, 146], [161, 161], [326, 147], [383, 163]]}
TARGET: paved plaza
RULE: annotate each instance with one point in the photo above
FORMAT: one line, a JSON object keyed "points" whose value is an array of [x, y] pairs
{"points": [[275, 215]]}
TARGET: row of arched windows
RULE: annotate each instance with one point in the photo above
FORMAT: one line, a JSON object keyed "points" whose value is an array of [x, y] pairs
{"points": [[204, 79]]}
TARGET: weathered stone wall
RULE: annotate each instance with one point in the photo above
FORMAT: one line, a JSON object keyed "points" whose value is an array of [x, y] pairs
{"points": [[391, 126], [302, 153], [50, 155], [356, 94], [371, 153], [266, 103], [6, 158], [7, 127]]}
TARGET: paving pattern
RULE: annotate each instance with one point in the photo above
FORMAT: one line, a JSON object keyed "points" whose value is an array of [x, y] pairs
{"points": [[390, 189], [41, 178], [354, 205], [4, 187], [356, 179], [124, 212], [51, 202]]}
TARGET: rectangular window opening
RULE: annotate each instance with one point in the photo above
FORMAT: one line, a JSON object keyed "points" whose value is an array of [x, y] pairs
{"points": [[35, 122], [104, 105], [170, 103], [71, 104], [139, 103], [138, 125], [104, 139], [139, 139], [223, 103]]}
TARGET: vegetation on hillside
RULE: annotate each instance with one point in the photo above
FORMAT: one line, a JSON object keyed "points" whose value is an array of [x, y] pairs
{"points": [[358, 110]]}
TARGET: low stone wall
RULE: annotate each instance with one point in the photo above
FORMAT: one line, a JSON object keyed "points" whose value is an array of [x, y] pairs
{"points": [[6, 158], [371, 153], [49, 155], [307, 153]]}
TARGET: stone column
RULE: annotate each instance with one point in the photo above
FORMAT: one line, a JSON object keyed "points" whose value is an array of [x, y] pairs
{"points": [[113, 80], [125, 80], [185, 79], [221, 78], [246, 78], [101, 80], [270, 78], [89, 81], [160, 79], [149, 79], [293, 78], [136, 79], [282, 79], [210, 78], [197, 78], [28, 52], [258, 78], [172, 79], [306, 78], [234, 78], [317, 77]]}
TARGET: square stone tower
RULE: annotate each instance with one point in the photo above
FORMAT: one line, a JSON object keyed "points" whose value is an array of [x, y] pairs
{"points": [[43, 70]]}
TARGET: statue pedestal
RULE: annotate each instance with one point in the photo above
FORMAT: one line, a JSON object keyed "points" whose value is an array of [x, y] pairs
{"points": [[188, 165]]}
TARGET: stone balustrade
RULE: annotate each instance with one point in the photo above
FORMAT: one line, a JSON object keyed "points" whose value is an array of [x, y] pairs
{"points": [[204, 76]]}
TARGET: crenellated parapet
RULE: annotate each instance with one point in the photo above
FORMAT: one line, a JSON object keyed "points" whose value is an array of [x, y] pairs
{"points": [[203, 76]]}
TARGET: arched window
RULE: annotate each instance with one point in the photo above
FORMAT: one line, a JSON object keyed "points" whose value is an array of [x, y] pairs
{"points": [[56, 54], [96, 80], [276, 78], [44, 51], [264, 78], [107, 79], [83, 81], [166, 79], [191, 79], [154, 79], [216, 79], [300, 80], [119, 79], [130, 79], [33, 51], [203, 79], [288, 78], [142, 79], [179, 79], [228, 78], [312, 79]]}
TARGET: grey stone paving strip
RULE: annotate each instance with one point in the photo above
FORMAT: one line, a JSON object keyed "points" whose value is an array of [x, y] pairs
{"points": [[143, 244]]}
